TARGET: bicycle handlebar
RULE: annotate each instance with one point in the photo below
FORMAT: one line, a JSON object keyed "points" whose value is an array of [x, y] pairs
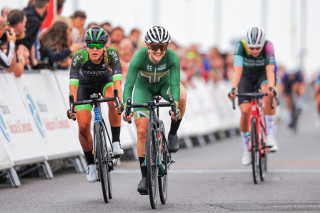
{"points": [[255, 95], [151, 104], [95, 98]]}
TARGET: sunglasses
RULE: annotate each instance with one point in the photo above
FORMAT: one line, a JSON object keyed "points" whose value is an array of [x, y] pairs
{"points": [[156, 47], [255, 48], [92, 46]]}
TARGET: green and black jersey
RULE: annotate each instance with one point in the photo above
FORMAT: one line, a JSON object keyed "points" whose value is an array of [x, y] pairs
{"points": [[84, 71]]}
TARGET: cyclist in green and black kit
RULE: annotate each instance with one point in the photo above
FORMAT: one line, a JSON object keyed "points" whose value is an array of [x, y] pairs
{"points": [[154, 70], [96, 69]]}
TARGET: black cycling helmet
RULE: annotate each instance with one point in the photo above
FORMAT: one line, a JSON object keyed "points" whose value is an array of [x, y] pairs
{"points": [[96, 35]]}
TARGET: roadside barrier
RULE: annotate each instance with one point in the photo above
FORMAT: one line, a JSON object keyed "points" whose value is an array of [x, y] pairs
{"points": [[34, 128]]}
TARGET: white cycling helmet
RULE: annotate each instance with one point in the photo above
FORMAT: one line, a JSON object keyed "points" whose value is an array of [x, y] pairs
{"points": [[157, 34], [255, 37], [291, 68]]}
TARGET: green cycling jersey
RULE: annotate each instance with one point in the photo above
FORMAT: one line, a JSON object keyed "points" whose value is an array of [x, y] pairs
{"points": [[148, 77]]}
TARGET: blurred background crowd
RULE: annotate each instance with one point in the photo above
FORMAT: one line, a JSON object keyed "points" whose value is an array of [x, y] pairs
{"points": [[43, 45]]}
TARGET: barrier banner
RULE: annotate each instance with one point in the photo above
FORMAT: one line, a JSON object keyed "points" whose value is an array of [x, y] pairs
{"points": [[19, 134], [5, 162], [41, 93]]}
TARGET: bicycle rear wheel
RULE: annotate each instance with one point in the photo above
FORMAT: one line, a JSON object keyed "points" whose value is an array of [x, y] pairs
{"points": [[102, 161], [263, 157], [163, 169], [254, 150], [152, 166]]}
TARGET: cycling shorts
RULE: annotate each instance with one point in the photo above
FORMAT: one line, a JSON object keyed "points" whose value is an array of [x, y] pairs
{"points": [[288, 81], [86, 88], [144, 91], [247, 85]]}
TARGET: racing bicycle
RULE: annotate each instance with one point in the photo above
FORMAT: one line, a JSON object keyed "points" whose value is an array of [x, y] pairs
{"points": [[157, 157], [257, 134], [103, 158]]}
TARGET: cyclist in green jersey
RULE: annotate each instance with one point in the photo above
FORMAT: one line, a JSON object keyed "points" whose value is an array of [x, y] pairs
{"points": [[154, 70], [96, 69], [254, 66]]}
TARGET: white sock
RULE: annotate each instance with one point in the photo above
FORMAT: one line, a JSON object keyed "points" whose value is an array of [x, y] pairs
{"points": [[274, 131], [299, 102], [244, 140], [269, 123]]}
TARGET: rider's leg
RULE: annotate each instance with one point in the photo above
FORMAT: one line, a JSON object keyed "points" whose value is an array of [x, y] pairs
{"points": [[142, 126], [114, 120], [85, 137], [173, 145], [298, 90], [269, 115], [244, 120]]}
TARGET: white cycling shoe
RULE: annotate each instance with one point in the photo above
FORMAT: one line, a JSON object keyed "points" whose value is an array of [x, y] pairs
{"points": [[246, 158], [92, 173], [117, 148], [274, 148], [270, 141]]}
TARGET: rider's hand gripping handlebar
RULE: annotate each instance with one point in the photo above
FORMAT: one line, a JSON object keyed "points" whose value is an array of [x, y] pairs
{"points": [[128, 109]]}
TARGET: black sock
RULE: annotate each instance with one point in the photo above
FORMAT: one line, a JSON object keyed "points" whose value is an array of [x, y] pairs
{"points": [[89, 157], [115, 134], [174, 126], [142, 167]]}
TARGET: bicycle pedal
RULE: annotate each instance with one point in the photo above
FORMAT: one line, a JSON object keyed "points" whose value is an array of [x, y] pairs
{"points": [[115, 156]]}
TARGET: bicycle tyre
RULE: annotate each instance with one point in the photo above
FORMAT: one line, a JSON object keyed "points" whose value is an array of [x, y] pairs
{"points": [[262, 158], [254, 150], [108, 156], [152, 166], [103, 174], [164, 155]]}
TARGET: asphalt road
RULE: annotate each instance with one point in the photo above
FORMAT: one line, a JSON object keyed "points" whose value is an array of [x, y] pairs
{"points": [[203, 179]]}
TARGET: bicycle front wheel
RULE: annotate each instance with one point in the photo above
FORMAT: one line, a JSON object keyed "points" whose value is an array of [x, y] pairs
{"points": [[102, 160], [163, 169], [254, 150], [152, 166]]}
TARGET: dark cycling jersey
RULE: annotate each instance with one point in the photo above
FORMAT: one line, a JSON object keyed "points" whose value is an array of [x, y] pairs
{"points": [[289, 79], [149, 78], [254, 68], [92, 77]]}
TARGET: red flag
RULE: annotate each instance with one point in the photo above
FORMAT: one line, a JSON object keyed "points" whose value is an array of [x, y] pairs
{"points": [[50, 15]]}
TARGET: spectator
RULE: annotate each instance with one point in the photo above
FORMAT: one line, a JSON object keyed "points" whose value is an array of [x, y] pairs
{"points": [[17, 22], [117, 34], [56, 48], [78, 31], [36, 13], [92, 24], [134, 37], [107, 27], [7, 50], [60, 4], [4, 12], [125, 54]]}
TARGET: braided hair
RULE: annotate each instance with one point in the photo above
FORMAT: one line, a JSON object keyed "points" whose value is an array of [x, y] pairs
{"points": [[106, 61]]}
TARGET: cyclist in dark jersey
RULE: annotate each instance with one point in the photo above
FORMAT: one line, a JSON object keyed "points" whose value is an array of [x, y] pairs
{"points": [[292, 82], [96, 69], [154, 70], [254, 65]]}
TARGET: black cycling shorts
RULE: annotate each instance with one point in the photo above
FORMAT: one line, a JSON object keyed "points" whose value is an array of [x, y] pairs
{"points": [[247, 85]]}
